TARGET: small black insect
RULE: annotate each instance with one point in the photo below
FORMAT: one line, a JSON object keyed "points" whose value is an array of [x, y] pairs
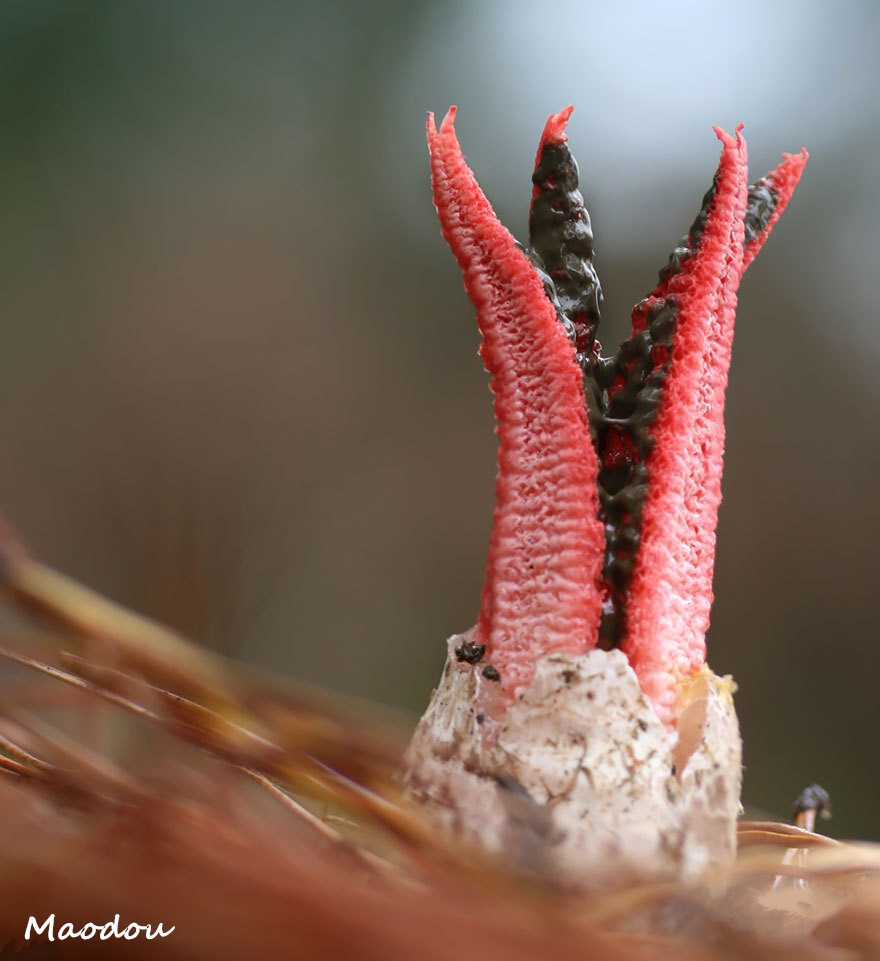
{"points": [[470, 652], [491, 673]]}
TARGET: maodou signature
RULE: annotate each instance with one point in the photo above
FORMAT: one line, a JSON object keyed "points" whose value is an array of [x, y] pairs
{"points": [[89, 930]]}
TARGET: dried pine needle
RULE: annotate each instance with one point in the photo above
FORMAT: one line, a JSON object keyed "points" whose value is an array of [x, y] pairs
{"points": [[263, 823]]}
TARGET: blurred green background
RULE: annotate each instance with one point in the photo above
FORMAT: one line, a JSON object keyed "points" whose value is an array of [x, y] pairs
{"points": [[239, 388]]}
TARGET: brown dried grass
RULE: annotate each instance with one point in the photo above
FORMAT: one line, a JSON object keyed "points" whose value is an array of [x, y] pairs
{"points": [[144, 777]]}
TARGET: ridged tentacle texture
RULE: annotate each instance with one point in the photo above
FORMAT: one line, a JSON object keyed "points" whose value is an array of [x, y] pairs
{"points": [[671, 591], [780, 182], [615, 547], [541, 592]]}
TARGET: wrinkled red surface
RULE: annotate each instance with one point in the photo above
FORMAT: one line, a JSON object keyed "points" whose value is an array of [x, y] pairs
{"points": [[784, 178], [671, 590], [541, 592], [543, 585]]}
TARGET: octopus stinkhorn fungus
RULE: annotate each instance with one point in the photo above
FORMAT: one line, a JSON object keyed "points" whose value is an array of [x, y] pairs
{"points": [[577, 728]]}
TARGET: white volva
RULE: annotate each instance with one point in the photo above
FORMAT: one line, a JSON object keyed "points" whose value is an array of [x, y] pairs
{"points": [[578, 779]]}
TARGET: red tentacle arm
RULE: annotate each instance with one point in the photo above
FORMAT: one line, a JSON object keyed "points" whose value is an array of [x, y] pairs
{"points": [[541, 592], [671, 590], [782, 180]]}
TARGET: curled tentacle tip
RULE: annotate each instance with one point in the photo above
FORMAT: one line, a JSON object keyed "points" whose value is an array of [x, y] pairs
{"points": [[554, 129], [728, 139], [447, 125], [787, 174], [449, 120]]}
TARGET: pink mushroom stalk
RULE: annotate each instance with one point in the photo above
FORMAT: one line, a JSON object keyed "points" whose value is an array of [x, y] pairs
{"points": [[609, 468]]}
